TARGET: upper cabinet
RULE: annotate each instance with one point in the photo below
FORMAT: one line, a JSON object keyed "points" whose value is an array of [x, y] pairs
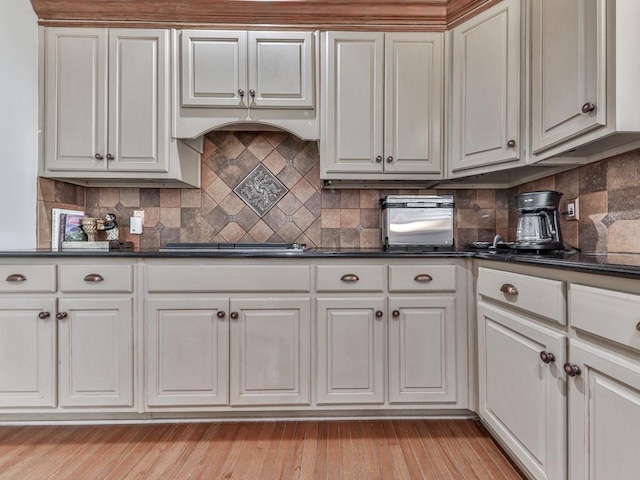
{"points": [[584, 76], [227, 77], [485, 121], [382, 104], [107, 108]]}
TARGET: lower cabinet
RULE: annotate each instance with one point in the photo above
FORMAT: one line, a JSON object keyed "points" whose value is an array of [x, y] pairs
{"points": [[422, 349], [522, 388], [95, 352], [604, 413], [27, 352], [218, 351]]}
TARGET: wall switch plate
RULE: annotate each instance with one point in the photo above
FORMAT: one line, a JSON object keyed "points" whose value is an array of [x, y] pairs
{"points": [[135, 226], [139, 214], [572, 209]]}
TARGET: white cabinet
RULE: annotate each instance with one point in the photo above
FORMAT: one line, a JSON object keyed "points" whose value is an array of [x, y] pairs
{"points": [[382, 98], [270, 351], [95, 342], [351, 352], [187, 351], [584, 77], [485, 133], [522, 386], [604, 413], [27, 352], [107, 107], [422, 349], [238, 69]]}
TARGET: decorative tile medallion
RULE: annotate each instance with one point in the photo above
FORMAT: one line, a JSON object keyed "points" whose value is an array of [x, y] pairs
{"points": [[261, 190]]}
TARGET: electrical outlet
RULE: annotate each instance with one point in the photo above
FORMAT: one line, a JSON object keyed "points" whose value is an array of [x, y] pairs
{"points": [[573, 209], [139, 214]]}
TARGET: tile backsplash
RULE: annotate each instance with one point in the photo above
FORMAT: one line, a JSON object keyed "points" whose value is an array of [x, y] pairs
{"points": [[304, 212]]}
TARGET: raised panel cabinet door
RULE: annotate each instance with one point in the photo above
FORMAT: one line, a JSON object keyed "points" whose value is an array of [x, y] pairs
{"points": [[352, 93], [75, 99], [27, 352], [187, 352], [270, 351], [568, 66], [95, 352], [422, 349], [281, 69], [214, 68], [485, 114], [522, 398], [604, 414], [413, 106], [350, 350], [138, 100]]}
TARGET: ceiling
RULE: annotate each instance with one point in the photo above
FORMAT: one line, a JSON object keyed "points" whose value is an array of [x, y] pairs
{"points": [[423, 15]]}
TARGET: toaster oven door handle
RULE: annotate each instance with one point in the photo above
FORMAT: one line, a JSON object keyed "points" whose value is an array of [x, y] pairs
{"points": [[423, 278]]}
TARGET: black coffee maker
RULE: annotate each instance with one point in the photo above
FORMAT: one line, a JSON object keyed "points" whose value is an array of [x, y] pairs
{"points": [[539, 222]]}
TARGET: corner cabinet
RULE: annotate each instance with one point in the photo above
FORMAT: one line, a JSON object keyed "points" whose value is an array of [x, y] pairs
{"points": [[485, 133], [107, 109], [382, 103]]}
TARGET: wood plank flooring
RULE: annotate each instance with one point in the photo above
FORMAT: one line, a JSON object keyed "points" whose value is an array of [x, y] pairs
{"points": [[385, 449]]}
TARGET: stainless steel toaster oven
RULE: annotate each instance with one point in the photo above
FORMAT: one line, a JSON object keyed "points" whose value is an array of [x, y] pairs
{"points": [[417, 221]]}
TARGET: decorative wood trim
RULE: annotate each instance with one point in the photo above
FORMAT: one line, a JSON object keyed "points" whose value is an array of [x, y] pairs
{"points": [[407, 15]]}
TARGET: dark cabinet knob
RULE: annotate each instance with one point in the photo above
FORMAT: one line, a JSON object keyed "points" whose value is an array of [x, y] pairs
{"points": [[547, 357], [638, 326], [252, 92], [389, 159], [44, 315], [110, 157], [220, 314], [395, 313], [511, 143], [61, 315], [98, 156], [378, 158], [234, 315], [571, 369], [241, 92], [509, 289], [588, 107], [379, 314]]}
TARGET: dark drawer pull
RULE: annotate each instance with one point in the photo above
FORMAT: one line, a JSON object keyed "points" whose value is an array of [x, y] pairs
{"points": [[94, 278], [349, 278], [509, 289], [423, 278], [16, 278]]}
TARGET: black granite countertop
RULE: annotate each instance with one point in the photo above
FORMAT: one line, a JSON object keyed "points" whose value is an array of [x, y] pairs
{"points": [[616, 264]]}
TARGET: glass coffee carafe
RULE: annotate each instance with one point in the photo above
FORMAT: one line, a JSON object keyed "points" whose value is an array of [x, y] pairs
{"points": [[538, 224]]}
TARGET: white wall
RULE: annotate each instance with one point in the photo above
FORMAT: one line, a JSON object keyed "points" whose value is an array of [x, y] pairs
{"points": [[18, 124]]}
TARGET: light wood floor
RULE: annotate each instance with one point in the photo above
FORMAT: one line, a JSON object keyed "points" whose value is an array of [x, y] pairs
{"points": [[415, 449]]}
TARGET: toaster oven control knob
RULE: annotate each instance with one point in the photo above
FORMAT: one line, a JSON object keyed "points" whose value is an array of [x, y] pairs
{"points": [[547, 357], [389, 159], [588, 107], [378, 158], [571, 369], [511, 143]]}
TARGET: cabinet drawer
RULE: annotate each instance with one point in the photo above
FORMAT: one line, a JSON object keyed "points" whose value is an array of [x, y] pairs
{"points": [[27, 278], [422, 277], [96, 278], [228, 278], [357, 278], [609, 314], [537, 295]]}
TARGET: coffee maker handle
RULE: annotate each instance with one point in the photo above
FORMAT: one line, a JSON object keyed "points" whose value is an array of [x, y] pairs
{"points": [[552, 230]]}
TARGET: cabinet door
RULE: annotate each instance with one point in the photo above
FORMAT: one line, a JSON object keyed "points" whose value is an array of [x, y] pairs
{"points": [[604, 414], [422, 349], [138, 100], [485, 114], [281, 69], [350, 363], [76, 99], [413, 106], [95, 357], [522, 399], [187, 352], [214, 68], [352, 90], [27, 352], [270, 351], [568, 70]]}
